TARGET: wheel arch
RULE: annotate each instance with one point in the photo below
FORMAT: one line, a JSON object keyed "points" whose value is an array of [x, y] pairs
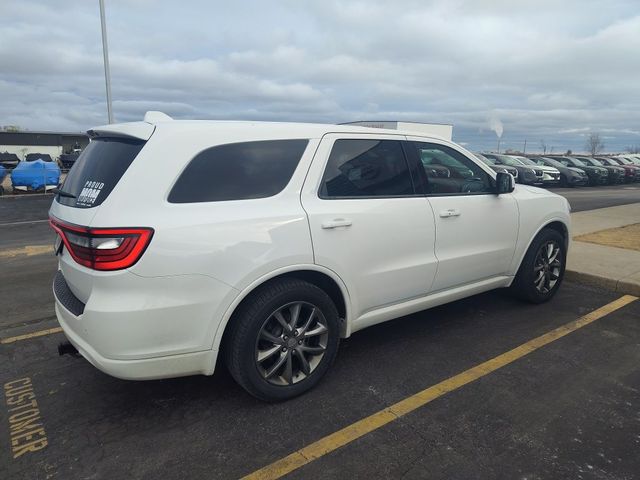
{"points": [[322, 277], [556, 224], [559, 227]]}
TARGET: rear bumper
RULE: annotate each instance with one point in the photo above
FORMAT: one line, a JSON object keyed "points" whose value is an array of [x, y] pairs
{"points": [[139, 369], [144, 328]]}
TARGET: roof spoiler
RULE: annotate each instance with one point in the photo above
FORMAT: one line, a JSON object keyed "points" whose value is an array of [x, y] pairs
{"points": [[139, 130]]}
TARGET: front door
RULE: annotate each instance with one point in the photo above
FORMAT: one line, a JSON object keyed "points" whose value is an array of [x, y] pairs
{"points": [[476, 230]]}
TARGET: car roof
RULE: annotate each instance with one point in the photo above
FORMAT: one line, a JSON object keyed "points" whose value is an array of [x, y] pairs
{"points": [[143, 130]]}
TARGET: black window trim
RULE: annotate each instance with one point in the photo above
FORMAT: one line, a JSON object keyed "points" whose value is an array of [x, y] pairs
{"points": [[418, 190]]}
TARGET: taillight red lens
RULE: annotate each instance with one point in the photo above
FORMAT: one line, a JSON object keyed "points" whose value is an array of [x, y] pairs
{"points": [[103, 248]]}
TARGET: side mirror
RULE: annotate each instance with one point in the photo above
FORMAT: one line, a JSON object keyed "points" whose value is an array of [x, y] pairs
{"points": [[505, 183]]}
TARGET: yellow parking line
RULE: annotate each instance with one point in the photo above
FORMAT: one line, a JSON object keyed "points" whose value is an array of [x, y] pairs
{"points": [[360, 428], [28, 251], [26, 336]]}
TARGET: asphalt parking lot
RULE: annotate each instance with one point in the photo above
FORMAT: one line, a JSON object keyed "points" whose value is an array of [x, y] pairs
{"points": [[568, 409]]}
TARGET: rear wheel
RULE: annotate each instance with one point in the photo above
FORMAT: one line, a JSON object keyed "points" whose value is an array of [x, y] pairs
{"points": [[542, 268], [283, 339]]}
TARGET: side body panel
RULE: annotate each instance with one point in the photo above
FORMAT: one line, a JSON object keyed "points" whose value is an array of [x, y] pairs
{"points": [[385, 254]]}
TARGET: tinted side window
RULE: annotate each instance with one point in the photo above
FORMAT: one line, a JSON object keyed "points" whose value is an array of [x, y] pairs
{"points": [[238, 171], [366, 168], [98, 170], [450, 172]]}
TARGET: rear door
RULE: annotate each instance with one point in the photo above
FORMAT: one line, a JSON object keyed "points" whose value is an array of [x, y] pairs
{"points": [[476, 230], [368, 224]]}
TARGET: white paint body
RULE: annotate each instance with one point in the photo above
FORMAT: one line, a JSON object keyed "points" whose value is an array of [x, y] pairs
{"points": [[165, 316]]}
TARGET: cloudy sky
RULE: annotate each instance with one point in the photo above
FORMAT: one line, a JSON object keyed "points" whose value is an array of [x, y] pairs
{"points": [[547, 70]]}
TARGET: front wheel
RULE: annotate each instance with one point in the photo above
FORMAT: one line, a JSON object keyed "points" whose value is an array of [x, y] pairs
{"points": [[542, 269], [283, 339]]}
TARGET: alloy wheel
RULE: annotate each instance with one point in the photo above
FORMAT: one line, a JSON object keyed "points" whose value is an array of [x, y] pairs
{"points": [[547, 267], [291, 343]]}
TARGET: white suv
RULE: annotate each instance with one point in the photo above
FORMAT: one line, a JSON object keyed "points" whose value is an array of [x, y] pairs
{"points": [[268, 242]]}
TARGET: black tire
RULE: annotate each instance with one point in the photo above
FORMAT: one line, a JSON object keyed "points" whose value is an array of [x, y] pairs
{"points": [[248, 322], [524, 285]]}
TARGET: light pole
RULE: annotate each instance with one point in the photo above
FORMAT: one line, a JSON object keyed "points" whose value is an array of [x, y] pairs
{"points": [[105, 53]]}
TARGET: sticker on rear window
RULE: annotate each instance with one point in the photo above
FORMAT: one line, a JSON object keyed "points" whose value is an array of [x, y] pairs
{"points": [[89, 193]]}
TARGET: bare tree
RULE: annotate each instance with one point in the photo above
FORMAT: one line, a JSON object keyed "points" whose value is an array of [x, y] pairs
{"points": [[594, 143], [544, 146], [633, 149]]}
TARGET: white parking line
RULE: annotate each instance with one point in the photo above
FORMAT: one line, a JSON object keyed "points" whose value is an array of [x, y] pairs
{"points": [[10, 224]]}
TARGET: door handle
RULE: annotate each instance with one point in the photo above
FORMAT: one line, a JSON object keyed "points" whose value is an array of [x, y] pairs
{"points": [[451, 212], [336, 223]]}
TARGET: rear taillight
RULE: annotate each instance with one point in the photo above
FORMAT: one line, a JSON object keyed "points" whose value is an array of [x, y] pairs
{"points": [[103, 248]]}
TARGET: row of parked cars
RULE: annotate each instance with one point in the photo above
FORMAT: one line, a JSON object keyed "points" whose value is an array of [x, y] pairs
{"points": [[566, 171], [65, 161]]}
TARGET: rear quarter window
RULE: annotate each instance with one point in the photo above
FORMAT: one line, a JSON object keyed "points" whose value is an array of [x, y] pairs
{"points": [[238, 171], [98, 170]]}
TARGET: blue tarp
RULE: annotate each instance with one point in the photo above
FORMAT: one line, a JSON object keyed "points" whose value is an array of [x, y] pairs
{"points": [[35, 174], [3, 172]]}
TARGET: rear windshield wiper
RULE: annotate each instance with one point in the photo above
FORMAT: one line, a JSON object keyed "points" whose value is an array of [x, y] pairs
{"points": [[62, 193]]}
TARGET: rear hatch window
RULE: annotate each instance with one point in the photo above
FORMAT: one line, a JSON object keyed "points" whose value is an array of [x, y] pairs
{"points": [[98, 170]]}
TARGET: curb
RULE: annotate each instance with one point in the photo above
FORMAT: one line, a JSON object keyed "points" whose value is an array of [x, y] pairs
{"points": [[620, 286]]}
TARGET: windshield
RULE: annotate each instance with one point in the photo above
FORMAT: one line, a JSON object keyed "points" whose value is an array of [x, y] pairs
{"points": [[624, 160], [527, 161], [510, 161], [579, 163], [552, 162], [593, 161], [487, 160]]}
